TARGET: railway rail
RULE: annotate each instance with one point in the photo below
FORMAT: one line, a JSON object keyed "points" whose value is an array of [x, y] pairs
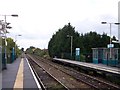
{"points": [[89, 80], [46, 80]]}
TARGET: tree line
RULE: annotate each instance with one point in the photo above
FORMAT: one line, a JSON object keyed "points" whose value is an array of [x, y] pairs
{"points": [[37, 51], [60, 45]]}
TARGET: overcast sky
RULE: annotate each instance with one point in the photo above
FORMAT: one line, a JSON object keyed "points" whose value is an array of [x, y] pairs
{"points": [[39, 19]]}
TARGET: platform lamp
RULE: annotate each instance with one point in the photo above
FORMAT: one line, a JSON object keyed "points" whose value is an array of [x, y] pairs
{"points": [[110, 35], [15, 44], [71, 37]]}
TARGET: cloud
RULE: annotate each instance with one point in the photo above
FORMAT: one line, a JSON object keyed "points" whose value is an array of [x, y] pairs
{"points": [[39, 19], [94, 24]]}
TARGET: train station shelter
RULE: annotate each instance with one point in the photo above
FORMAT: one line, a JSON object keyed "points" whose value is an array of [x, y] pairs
{"points": [[104, 56]]}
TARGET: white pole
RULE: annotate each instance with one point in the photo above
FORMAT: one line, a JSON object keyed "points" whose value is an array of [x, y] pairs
{"points": [[5, 41], [15, 45]]}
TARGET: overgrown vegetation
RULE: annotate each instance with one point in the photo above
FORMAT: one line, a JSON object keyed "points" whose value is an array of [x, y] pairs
{"points": [[36, 51]]}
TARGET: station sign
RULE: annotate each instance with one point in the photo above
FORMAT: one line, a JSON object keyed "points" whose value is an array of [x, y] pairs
{"points": [[77, 51], [110, 45], [77, 56]]}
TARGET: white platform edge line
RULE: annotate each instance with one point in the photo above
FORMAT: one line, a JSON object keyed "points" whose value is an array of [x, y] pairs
{"points": [[38, 85]]}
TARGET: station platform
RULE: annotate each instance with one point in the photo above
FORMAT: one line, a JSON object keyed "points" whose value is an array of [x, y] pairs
{"points": [[19, 75], [91, 66]]}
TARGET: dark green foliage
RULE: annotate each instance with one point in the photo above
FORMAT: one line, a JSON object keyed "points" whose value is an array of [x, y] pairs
{"points": [[59, 44], [30, 50], [94, 40], [10, 44]]}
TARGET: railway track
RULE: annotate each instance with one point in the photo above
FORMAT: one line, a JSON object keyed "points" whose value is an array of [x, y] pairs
{"points": [[46, 80], [89, 80]]}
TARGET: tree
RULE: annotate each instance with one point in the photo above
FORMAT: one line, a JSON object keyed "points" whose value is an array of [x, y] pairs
{"points": [[10, 45], [59, 44], [12, 49], [30, 50], [22, 49]]}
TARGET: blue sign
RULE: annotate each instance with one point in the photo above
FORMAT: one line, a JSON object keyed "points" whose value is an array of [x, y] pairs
{"points": [[110, 45], [77, 53]]}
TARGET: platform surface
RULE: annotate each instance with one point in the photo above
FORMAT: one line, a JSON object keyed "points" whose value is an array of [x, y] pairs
{"points": [[101, 67], [18, 75]]}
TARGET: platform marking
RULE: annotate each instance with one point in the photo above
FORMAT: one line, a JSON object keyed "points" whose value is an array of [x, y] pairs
{"points": [[38, 85], [19, 78]]}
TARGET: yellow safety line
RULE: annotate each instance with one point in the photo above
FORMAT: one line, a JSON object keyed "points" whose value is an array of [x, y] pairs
{"points": [[19, 78]]}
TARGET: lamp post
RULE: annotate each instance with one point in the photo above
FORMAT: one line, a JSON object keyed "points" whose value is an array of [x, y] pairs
{"points": [[71, 37], [5, 31], [110, 34], [15, 44]]}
